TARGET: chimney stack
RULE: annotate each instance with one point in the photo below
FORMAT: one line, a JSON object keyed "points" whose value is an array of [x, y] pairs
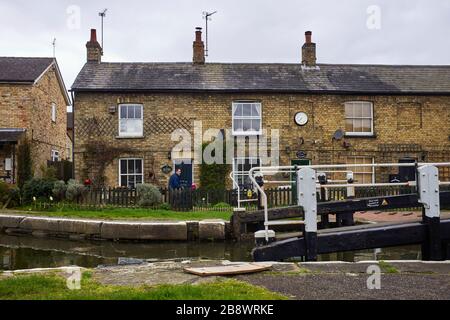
{"points": [[309, 51], [199, 48], [94, 50]]}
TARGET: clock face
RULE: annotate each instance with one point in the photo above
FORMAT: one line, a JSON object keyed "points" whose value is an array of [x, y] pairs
{"points": [[301, 118]]}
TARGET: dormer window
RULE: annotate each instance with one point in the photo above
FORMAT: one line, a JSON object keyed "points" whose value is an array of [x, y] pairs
{"points": [[359, 118]]}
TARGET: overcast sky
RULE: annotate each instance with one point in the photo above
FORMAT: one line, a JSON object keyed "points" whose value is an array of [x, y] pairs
{"points": [[346, 31]]}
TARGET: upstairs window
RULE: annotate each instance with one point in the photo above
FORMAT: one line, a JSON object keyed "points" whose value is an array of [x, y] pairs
{"points": [[53, 112], [247, 118], [359, 118], [131, 120]]}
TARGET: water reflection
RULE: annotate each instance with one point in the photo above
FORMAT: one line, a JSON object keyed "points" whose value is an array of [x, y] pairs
{"points": [[23, 252]]}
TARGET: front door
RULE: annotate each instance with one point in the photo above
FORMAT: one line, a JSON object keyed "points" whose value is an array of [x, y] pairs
{"points": [[186, 172], [297, 162]]}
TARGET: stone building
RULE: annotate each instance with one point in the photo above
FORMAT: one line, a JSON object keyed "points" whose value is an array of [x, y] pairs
{"points": [[33, 105], [325, 113]]}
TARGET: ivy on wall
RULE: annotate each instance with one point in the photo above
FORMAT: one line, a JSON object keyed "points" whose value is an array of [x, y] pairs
{"points": [[213, 176], [97, 157]]}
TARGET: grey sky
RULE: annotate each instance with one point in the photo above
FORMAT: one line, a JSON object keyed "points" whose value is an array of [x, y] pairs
{"points": [[412, 32]]}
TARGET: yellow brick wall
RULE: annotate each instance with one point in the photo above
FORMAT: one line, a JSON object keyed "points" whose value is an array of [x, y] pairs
{"points": [[29, 107], [417, 126]]}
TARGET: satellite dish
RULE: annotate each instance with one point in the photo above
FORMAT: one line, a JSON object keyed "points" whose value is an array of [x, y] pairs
{"points": [[338, 135]]}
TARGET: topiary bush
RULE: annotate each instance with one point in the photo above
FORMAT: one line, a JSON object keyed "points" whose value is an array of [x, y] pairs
{"points": [[74, 190], [37, 188], [59, 190], [148, 195]]}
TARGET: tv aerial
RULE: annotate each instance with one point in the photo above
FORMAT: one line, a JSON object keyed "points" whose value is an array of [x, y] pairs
{"points": [[102, 16], [207, 17]]}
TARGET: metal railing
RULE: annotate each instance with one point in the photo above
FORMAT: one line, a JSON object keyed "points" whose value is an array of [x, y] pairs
{"points": [[276, 169]]}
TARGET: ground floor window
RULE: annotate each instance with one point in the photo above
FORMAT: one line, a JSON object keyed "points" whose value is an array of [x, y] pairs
{"points": [[362, 174], [241, 167], [131, 172], [55, 155]]}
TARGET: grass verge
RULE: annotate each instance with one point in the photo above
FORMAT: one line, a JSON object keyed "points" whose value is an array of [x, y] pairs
{"points": [[129, 213], [53, 287]]}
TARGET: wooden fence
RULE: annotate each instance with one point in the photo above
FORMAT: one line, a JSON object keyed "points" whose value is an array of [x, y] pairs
{"points": [[200, 199]]}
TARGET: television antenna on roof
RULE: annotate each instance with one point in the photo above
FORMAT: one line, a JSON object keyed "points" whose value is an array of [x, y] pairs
{"points": [[54, 47], [102, 15], [207, 17]]}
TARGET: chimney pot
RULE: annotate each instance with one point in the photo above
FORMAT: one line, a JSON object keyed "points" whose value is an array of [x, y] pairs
{"points": [[308, 35], [309, 51], [199, 48], [93, 35], [94, 49]]}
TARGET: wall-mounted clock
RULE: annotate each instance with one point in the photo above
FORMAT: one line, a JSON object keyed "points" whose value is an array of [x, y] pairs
{"points": [[301, 118]]}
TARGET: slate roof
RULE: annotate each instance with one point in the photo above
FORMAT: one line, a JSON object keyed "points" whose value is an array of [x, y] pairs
{"points": [[250, 77], [14, 69]]}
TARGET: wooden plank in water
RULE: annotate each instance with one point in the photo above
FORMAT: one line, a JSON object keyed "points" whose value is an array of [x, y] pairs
{"points": [[232, 269]]}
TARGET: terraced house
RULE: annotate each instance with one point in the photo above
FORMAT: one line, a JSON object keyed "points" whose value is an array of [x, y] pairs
{"points": [[33, 105], [326, 113]]}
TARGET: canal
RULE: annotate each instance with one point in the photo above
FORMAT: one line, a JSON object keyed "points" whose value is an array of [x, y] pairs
{"points": [[25, 252]]}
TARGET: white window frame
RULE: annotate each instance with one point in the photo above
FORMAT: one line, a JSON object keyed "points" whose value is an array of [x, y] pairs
{"points": [[354, 133], [238, 175], [233, 117], [53, 112], [55, 155], [128, 174], [132, 134], [356, 162]]}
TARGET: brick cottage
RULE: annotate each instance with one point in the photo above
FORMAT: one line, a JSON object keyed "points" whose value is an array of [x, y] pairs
{"points": [[33, 105], [125, 113]]}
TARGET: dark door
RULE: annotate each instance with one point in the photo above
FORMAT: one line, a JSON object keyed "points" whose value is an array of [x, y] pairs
{"points": [[407, 173], [298, 162], [186, 172]]}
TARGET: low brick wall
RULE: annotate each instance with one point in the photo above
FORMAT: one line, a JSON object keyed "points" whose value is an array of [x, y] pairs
{"points": [[114, 230]]}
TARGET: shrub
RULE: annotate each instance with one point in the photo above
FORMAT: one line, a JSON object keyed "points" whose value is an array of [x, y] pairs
{"points": [[4, 193], [222, 205], [164, 206], [59, 189], [39, 188], [48, 172], [24, 163], [74, 190], [148, 195]]}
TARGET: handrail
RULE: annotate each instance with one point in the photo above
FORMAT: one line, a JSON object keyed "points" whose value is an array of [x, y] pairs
{"points": [[238, 189], [373, 165]]}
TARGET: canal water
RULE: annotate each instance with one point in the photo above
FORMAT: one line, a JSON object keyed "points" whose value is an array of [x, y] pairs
{"points": [[25, 252]]}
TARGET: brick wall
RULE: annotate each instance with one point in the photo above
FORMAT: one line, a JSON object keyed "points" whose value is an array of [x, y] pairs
{"points": [[29, 107], [417, 126]]}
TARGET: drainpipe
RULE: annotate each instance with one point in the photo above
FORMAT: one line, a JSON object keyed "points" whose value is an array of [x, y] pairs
{"points": [[73, 133]]}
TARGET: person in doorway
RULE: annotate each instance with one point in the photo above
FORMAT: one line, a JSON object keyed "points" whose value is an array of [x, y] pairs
{"points": [[175, 180], [175, 194]]}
